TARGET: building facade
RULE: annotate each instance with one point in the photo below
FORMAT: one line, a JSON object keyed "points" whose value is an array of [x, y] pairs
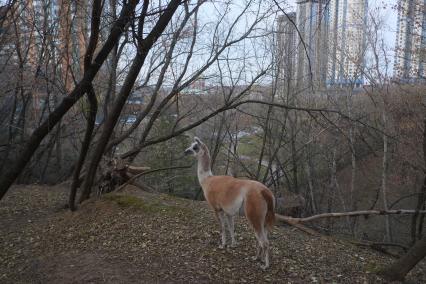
{"points": [[286, 50], [347, 28], [410, 46], [329, 43], [312, 45]]}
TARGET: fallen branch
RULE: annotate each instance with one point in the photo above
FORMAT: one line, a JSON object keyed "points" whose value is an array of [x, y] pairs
{"points": [[351, 214], [136, 170], [150, 172], [289, 221], [141, 186], [117, 172]]}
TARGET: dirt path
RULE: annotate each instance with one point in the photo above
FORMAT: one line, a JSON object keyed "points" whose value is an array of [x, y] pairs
{"points": [[137, 237]]}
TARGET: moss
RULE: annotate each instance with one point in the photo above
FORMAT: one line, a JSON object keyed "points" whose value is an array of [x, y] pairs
{"points": [[125, 200], [372, 267], [168, 197]]}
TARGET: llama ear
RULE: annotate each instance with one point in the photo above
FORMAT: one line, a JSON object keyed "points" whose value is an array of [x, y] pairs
{"points": [[197, 140]]}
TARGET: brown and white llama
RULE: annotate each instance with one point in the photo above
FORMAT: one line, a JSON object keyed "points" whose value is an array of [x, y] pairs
{"points": [[226, 194]]}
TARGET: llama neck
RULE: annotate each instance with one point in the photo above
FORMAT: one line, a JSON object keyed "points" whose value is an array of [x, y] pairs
{"points": [[204, 169]]}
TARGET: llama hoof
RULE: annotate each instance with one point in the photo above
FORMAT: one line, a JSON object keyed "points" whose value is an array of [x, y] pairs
{"points": [[234, 245], [255, 258], [264, 266]]}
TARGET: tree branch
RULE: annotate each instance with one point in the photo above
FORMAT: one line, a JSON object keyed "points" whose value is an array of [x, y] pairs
{"points": [[150, 172], [348, 214]]}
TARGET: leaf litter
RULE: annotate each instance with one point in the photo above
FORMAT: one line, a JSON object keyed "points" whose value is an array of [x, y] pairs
{"points": [[139, 237]]}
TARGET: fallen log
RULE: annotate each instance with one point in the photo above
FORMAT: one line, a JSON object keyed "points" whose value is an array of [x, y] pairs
{"points": [[289, 221], [349, 214], [118, 172], [136, 170], [150, 172], [296, 222]]}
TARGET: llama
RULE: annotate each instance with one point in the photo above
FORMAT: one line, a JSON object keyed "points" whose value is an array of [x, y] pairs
{"points": [[226, 194]]}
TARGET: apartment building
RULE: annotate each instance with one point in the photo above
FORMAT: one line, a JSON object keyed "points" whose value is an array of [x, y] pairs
{"points": [[347, 28], [312, 45], [286, 51], [410, 46]]}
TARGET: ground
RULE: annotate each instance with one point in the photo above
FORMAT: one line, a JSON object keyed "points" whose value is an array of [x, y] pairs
{"points": [[137, 237]]}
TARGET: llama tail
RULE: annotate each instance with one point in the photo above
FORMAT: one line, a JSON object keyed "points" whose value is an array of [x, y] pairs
{"points": [[270, 215]]}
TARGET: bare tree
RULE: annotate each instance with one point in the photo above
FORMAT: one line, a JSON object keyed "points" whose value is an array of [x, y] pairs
{"points": [[9, 176], [143, 47]]}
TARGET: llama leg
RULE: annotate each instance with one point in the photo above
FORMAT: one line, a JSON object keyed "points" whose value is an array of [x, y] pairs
{"points": [[257, 256], [262, 248], [231, 227], [221, 217], [265, 249], [264, 237], [259, 251], [255, 218]]}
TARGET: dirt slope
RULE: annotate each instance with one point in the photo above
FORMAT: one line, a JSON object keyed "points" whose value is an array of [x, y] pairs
{"points": [[136, 237]]}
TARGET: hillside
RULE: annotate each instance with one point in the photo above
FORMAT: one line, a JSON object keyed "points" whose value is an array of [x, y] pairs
{"points": [[136, 237]]}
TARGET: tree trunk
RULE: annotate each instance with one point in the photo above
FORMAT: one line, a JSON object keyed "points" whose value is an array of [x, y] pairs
{"points": [[416, 233], [399, 269], [294, 167], [352, 141], [96, 20], [352, 200], [137, 64], [384, 174], [310, 184], [84, 148]]}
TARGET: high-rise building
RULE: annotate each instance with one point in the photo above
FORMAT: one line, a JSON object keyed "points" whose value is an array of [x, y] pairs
{"points": [[33, 21], [286, 51], [7, 37], [43, 38], [347, 26], [63, 25], [410, 47], [312, 45]]}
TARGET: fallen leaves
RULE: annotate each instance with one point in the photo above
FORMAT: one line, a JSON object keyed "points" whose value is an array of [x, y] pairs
{"points": [[157, 238]]}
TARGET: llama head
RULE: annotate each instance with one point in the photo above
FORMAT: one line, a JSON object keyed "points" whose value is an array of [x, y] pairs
{"points": [[197, 148]]}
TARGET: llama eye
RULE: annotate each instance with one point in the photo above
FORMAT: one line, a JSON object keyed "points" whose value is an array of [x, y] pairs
{"points": [[196, 148]]}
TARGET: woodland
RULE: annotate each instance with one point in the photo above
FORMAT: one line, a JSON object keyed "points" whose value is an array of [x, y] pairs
{"points": [[99, 99]]}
